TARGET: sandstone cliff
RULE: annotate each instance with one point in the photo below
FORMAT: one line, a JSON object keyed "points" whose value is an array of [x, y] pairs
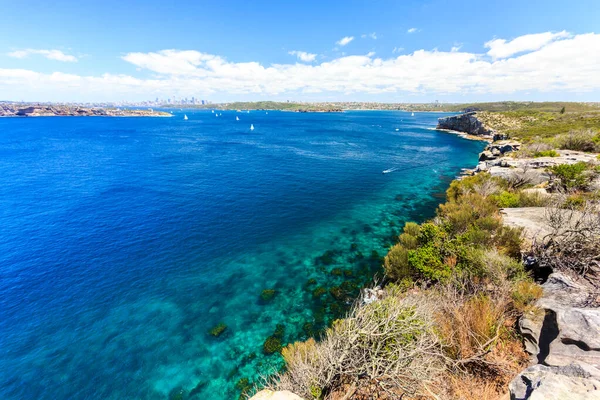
{"points": [[467, 123]]}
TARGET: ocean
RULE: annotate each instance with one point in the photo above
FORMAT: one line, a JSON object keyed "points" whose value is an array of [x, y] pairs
{"points": [[125, 241]]}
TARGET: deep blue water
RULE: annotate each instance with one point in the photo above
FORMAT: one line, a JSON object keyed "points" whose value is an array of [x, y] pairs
{"points": [[124, 240]]}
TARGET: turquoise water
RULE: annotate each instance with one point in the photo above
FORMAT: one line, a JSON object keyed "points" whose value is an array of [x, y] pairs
{"points": [[123, 241]]}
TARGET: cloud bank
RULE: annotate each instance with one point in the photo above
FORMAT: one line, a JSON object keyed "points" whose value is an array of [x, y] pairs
{"points": [[56, 55], [500, 48], [547, 62]]}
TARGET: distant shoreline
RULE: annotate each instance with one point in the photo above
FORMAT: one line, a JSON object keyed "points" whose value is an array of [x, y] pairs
{"points": [[36, 111]]}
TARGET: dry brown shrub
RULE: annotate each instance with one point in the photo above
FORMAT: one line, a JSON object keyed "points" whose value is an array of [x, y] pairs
{"points": [[469, 327]]}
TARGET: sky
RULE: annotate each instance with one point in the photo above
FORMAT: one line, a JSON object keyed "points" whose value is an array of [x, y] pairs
{"points": [[378, 50]]}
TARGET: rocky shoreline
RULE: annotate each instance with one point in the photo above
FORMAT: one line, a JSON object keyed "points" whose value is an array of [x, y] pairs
{"points": [[562, 332], [22, 110], [563, 339]]}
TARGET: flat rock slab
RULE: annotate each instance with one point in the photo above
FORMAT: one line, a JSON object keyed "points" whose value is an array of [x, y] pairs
{"points": [[539, 382], [531, 219]]}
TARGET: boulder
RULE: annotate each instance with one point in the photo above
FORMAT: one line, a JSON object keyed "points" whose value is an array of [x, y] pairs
{"points": [[576, 381], [486, 155], [272, 395]]}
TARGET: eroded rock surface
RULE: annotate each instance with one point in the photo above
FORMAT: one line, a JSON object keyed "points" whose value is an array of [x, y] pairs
{"points": [[466, 123], [563, 337]]}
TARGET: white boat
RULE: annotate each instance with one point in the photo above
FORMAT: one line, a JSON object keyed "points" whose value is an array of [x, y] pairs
{"points": [[397, 129], [248, 112], [387, 171], [412, 115], [266, 112], [213, 111], [238, 110], [237, 118], [185, 117], [251, 127]]}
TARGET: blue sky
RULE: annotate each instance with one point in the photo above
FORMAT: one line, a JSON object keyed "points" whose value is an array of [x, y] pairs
{"points": [[240, 50]]}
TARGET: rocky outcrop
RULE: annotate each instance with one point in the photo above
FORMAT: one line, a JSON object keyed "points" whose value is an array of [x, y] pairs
{"points": [[272, 395], [498, 149], [541, 382], [466, 123], [563, 338]]}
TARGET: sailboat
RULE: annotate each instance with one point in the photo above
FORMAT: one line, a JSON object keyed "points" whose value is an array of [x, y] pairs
{"points": [[213, 111], [412, 115], [185, 117], [251, 127], [248, 112], [237, 118]]}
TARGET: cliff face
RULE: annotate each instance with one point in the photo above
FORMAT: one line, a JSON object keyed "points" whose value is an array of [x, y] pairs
{"points": [[467, 123]]}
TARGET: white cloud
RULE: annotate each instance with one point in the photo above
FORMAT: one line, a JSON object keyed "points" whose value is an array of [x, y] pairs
{"points": [[56, 55], [397, 50], [303, 55], [369, 35], [500, 48], [345, 40], [456, 47], [559, 66], [411, 30]]}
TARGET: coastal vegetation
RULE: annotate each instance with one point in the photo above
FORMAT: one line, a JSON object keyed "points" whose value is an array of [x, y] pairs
{"points": [[446, 324]]}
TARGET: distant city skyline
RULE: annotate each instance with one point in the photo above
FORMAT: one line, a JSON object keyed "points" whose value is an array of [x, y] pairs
{"points": [[416, 51]]}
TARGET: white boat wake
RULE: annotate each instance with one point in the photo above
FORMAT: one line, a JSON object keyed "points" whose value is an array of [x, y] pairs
{"points": [[387, 171]]}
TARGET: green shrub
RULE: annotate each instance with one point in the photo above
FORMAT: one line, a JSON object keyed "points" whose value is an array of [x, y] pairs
{"points": [[468, 184], [396, 263], [546, 153], [427, 260], [509, 240], [571, 176], [459, 215], [431, 233], [507, 199], [412, 228]]}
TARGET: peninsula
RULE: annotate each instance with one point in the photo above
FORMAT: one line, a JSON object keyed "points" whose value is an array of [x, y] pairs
{"points": [[59, 110]]}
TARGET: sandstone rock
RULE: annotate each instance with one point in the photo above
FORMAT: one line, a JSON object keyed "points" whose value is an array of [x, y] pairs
{"points": [[279, 395], [486, 155], [539, 382], [467, 123], [530, 326]]}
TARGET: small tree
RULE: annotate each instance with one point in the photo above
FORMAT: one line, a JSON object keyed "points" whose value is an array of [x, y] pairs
{"points": [[562, 110]]}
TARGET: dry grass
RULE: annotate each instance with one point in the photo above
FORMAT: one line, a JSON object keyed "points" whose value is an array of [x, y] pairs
{"points": [[469, 327]]}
